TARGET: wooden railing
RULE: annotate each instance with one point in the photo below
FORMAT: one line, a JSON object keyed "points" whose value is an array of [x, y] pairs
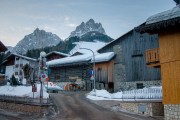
{"points": [[152, 57]]}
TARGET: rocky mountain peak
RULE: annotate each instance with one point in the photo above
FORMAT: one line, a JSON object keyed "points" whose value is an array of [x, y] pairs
{"points": [[89, 26], [37, 39]]}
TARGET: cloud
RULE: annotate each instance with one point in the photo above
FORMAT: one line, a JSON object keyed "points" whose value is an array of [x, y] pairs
{"points": [[71, 25], [66, 18]]}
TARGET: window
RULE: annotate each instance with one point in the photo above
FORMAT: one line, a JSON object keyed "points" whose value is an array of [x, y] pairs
{"points": [[21, 65], [17, 58], [139, 85], [16, 73], [17, 65]]}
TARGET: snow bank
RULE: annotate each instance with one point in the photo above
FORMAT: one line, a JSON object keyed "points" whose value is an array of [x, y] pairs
{"points": [[22, 91]]}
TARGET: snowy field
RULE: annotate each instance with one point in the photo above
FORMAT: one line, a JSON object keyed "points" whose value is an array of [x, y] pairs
{"points": [[145, 94], [22, 91]]}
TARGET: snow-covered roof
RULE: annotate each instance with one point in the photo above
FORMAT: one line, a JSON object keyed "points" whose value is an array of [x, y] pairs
{"points": [[69, 60], [21, 56], [169, 14], [25, 57], [94, 46], [56, 52], [104, 57]]}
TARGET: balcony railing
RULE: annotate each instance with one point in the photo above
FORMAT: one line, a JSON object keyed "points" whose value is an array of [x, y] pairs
{"points": [[152, 57]]}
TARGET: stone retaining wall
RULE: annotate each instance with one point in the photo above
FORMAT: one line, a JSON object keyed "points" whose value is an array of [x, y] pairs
{"points": [[172, 112], [145, 108], [23, 107]]}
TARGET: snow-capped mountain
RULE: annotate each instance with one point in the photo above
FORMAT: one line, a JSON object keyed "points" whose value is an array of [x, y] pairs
{"points": [[35, 40], [89, 26]]}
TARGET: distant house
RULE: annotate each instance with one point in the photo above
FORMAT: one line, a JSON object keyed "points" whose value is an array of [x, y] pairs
{"points": [[74, 72], [55, 55], [2, 47], [18, 66], [2, 50], [130, 70], [167, 25]]}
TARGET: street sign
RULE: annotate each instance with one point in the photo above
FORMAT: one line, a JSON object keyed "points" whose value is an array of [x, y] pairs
{"points": [[43, 77], [91, 72], [34, 88]]}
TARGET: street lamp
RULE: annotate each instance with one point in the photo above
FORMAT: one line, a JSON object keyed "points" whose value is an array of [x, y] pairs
{"points": [[41, 71], [93, 67]]}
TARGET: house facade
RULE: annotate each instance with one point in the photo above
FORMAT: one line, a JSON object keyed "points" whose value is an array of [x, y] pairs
{"points": [[130, 70], [15, 65], [167, 25]]}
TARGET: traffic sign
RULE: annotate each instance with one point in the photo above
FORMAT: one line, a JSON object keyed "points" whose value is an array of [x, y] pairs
{"points": [[43, 77], [91, 72]]}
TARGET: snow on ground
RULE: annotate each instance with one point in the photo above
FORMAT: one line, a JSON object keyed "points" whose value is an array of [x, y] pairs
{"points": [[154, 93], [22, 91]]}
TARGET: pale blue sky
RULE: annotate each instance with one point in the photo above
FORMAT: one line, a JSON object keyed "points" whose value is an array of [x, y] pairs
{"points": [[21, 17]]}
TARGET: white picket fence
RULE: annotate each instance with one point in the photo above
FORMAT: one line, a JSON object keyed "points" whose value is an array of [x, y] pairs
{"points": [[146, 93]]}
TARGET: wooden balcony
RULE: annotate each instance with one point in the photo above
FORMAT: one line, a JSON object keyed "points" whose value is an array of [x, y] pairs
{"points": [[152, 57]]}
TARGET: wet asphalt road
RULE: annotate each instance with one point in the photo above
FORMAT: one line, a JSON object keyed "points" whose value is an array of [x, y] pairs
{"points": [[74, 106]]}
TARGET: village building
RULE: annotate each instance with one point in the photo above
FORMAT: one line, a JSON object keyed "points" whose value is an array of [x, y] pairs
{"points": [[73, 72], [2, 50], [22, 67], [129, 67], [2, 47], [167, 25], [55, 55]]}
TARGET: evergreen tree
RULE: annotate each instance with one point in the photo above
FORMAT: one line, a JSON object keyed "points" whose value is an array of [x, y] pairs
{"points": [[14, 81]]}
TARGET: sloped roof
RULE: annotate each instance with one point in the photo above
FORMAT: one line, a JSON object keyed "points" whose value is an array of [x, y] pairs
{"points": [[86, 58], [104, 57], [21, 56], [164, 16], [59, 53], [2, 47], [166, 19]]}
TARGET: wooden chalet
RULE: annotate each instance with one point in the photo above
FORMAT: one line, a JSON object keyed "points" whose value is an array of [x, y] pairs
{"points": [[130, 70], [167, 25], [55, 55], [2, 47], [74, 72]]}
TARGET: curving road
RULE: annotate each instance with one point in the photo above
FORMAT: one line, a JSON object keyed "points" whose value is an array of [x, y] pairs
{"points": [[74, 106]]}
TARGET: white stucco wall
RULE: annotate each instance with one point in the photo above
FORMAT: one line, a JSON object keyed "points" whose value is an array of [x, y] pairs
{"points": [[9, 71]]}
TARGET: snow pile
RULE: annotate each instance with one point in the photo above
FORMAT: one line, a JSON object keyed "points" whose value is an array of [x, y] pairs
{"points": [[145, 94], [100, 93], [22, 91]]}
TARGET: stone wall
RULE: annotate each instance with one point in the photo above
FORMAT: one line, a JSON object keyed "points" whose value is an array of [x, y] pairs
{"points": [[172, 112], [23, 107], [124, 86], [144, 108]]}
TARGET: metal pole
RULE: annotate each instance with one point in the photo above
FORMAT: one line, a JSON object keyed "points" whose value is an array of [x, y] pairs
{"points": [[94, 68]]}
